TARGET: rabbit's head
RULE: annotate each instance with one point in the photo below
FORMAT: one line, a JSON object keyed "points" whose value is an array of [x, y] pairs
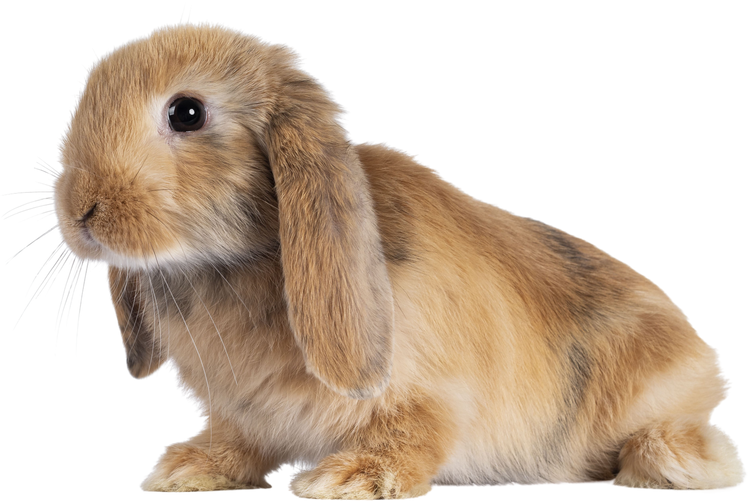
{"points": [[200, 146]]}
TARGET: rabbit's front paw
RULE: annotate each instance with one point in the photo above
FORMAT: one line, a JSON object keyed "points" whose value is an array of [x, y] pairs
{"points": [[358, 476], [179, 481], [186, 467]]}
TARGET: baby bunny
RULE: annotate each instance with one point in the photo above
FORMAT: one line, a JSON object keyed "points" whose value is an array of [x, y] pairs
{"points": [[342, 307]]}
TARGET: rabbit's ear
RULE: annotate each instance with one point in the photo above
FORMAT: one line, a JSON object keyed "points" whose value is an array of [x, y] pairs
{"points": [[144, 355], [336, 282]]}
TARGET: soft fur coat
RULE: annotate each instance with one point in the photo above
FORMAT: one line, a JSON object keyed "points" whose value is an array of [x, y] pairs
{"points": [[342, 306]]}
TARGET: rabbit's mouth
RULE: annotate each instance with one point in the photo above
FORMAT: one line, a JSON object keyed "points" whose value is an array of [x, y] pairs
{"points": [[77, 230], [87, 237], [85, 230], [83, 242]]}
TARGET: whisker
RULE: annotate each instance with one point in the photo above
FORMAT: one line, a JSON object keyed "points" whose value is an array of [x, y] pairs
{"points": [[8, 214], [45, 192], [141, 292], [184, 320], [80, 305], [251, 317], [136, 174], [214, 325], [32, 242], [150, 213], [200, 358], [231, 366], [40, 286], [128, 321], [157, 316]]}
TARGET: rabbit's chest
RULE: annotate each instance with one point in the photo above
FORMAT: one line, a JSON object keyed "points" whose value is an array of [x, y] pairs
{"points": [[246, 369]]}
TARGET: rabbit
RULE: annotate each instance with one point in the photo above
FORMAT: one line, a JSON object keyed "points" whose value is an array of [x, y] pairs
{"points": [[341, 307]]}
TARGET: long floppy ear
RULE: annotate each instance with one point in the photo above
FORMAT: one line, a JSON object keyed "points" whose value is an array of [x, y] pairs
{"points": [[144, 355], [336, 282]]}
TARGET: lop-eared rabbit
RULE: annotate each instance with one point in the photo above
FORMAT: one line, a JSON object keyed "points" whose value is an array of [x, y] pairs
{"points": [[340, 306]]}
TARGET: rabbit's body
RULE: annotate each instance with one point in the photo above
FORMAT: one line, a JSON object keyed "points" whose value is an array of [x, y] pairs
{"points": [[407, 334]]}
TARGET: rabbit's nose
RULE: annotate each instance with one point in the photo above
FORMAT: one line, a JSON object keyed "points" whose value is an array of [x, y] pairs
{"points": [[88, 215]]}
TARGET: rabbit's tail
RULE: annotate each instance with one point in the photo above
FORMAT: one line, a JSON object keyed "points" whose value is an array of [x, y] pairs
{"points": [[691, 458]]}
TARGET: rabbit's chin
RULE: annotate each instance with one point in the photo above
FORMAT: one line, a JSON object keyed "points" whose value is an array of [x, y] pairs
{"points": [[176, 258], [181, 257]]}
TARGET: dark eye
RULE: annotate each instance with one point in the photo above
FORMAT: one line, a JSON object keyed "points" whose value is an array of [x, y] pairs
{"points": [[186, 114]]}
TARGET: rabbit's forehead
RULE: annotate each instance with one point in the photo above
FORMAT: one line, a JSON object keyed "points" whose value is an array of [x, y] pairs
{"points": [[139, 81], [123, 118]]}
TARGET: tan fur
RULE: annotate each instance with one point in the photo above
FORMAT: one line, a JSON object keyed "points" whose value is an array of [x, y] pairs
{"points": [[345, 308]]}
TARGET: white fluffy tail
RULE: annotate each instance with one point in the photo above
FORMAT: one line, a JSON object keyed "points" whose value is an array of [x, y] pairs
{"points": [[679, 455]]}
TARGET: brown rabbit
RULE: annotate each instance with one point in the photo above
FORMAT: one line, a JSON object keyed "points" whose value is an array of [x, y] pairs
{"points": [[343, 307]]}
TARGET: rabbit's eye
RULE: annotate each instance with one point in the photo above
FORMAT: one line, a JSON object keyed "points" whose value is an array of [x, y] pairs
{"points": [[186, 114]]}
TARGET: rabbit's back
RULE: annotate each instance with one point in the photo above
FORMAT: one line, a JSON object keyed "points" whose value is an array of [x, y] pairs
{"points": [[550, 352]]}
